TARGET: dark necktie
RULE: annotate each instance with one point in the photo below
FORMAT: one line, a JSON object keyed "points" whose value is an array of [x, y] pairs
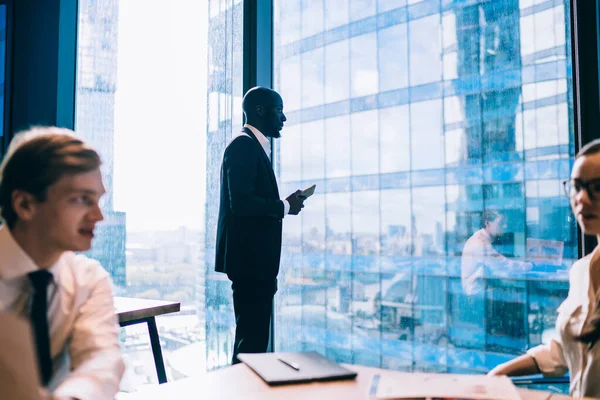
{"points": [[39, 321]]}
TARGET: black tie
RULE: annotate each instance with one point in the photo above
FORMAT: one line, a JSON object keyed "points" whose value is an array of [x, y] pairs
{"points": [[39, 320]]}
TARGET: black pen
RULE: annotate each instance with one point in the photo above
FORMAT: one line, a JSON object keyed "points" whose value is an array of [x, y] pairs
{"points": [[290, 364]]}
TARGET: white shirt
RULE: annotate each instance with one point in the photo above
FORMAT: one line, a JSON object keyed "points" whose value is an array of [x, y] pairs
{"points": [[84, 344], [266, 145], [478, 254], [564, 353]]}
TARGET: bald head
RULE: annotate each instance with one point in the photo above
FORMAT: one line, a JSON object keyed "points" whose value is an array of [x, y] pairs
{"points": [[263, 108], [258, 96]]}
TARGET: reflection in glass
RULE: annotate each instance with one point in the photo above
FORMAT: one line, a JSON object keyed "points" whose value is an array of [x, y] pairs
{"points": [[337, 147], [431, 118], [393, 57], [336, 13], [365, 149], [363, 68], [427, 141], [313, 151], [337, 72], [361, 9], [312, 78], [290, 150], [291, 69], [394, 136], [425, 50]]}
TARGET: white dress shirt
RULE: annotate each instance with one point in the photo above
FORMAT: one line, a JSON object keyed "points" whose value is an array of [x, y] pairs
{"points": [[478, 254], [266, 145], [565, 353], [84, 344]]}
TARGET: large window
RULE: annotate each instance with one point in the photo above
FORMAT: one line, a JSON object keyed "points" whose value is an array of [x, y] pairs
{"points": [[160, 114], [419, 121]]}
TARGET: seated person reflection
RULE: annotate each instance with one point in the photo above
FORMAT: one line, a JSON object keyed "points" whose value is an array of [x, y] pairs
{"points": [[50, 188], [479, 255], [578, 322]]}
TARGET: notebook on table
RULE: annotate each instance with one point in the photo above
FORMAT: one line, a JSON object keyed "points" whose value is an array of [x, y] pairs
{"points": [[289, 368]]}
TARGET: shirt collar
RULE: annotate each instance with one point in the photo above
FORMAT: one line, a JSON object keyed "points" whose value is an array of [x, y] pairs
{"points": [[262, 139], [14, 261]]}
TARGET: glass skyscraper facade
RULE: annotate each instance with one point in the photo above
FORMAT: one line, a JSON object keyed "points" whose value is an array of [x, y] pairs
{"points": [[414, 118]]}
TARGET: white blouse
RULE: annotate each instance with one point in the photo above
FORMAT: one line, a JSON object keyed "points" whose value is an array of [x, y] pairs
{"points": [[565, 353]]}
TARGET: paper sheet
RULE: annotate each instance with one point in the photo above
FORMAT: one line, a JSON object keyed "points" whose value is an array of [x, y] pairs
{"points": [[442, 386]]}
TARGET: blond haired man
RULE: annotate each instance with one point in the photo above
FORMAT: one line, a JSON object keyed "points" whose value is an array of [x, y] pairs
{"points": [[50, 188]]}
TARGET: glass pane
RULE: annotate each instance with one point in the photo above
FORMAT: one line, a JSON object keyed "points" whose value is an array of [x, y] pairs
{"points": [[447, 128], [224, 118], [363, 66], [161, 114]]}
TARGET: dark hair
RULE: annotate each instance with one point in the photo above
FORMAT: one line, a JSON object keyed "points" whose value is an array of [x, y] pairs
{"points": [[34, 164], [490, 216], [592, 147], [590, 332], [591, 329]]}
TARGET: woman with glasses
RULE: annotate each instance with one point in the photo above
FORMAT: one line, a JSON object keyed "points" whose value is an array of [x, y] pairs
{"points": [[578, 322]]}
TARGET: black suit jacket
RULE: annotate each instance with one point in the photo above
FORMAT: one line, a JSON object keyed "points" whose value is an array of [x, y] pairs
{"points": [[249, 227]]}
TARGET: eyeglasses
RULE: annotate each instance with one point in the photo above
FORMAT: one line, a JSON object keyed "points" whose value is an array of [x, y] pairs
{"points": [[574, 186]]}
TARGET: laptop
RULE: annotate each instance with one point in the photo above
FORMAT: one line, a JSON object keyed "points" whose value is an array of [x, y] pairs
{"points": [[289, 368]]}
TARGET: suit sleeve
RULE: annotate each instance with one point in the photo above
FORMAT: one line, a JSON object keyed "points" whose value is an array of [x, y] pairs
{"points": [[240, 169]]}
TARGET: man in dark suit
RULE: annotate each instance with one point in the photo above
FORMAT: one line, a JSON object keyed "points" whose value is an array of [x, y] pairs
{"points": [[250, 220]]}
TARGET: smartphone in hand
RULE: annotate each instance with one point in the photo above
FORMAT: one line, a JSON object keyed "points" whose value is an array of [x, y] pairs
{"points": [[306, 193]]}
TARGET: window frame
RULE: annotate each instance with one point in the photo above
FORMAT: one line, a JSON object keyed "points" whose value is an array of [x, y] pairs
{"points": [[46, 31], [584, 32], [5, 139]]}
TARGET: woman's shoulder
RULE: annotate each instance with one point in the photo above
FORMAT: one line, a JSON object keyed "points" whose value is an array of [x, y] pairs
{"points": [[583, 261], [580, 269]]}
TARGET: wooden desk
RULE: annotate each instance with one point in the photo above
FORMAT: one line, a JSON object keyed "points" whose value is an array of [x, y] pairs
{"points": [[239, 382], [133, 311]]}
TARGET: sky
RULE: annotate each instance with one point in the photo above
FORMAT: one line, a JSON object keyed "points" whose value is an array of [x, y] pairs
{"points": [[160, 114]]}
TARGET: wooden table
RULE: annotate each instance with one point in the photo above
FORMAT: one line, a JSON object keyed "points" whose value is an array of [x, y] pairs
{"points": [[239, 382], [133, 311]]}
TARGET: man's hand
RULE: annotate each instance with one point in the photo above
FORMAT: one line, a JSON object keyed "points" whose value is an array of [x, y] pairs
{"points": [[296, 201]]}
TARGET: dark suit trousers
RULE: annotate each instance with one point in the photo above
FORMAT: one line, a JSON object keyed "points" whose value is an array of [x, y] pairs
{"points": [[253, 306]]}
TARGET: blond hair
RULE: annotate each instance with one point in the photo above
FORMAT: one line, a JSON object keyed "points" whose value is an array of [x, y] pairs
{"points": [[38, 158]]}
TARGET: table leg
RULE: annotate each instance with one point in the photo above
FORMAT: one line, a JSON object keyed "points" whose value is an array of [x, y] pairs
{"points": [[156, 351]]}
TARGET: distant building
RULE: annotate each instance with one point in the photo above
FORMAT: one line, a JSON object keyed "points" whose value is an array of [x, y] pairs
{"points": [[109, 246], [96, 86]]}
